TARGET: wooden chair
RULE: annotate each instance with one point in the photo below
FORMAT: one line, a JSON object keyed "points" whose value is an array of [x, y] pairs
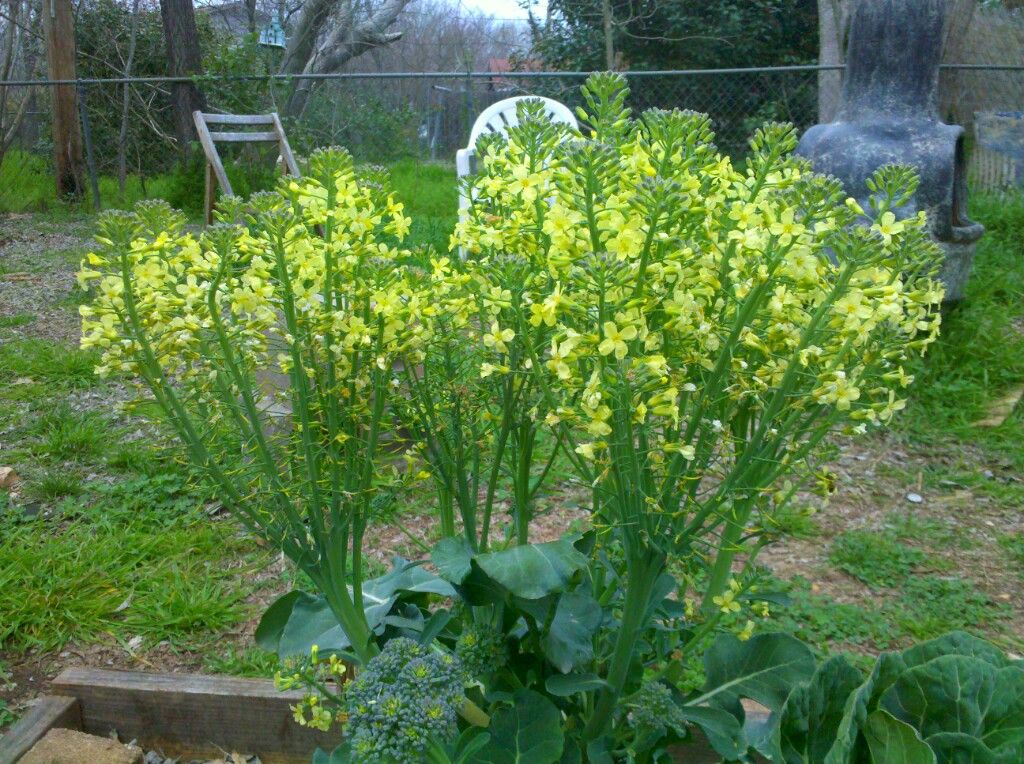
{"points": [[215, 174]]}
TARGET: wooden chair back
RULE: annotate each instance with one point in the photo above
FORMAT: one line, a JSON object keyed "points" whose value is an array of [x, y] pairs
{"points": [[272, 132]]}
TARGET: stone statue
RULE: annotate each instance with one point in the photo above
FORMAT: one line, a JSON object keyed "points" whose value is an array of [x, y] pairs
{"points": [[889, 115]]}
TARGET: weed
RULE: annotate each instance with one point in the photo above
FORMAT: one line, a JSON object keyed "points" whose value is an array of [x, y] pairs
{"points": [[930, 606], [912, 527], [821, 621], [142, 559], [55, 484], [1013, 543], [249, 661], [69, 434], [877, 559], [47, 362], [795, 521], [21, 319]]}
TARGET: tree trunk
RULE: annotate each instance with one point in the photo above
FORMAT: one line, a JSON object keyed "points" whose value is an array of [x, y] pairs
{"points": [[59, 30], [609, 39], [833, 24], [184, 58], [122, 138], [345, 39]]}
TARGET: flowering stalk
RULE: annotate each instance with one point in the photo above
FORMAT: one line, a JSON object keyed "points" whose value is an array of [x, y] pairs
{"points": [[271, 349]]}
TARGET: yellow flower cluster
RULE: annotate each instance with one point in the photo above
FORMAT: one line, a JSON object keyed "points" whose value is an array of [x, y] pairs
{"points": [[274, 334], [681, 310]]}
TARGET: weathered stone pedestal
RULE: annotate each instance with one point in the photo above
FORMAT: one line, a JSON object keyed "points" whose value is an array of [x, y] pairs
{"points": [[889, 115]]}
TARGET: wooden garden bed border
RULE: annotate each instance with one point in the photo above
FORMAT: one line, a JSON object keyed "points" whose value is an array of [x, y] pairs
{"points": [[197, 714], [174, 714]]}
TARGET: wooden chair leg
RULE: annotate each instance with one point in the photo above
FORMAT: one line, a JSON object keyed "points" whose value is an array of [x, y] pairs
{"points": [[208, 196]]}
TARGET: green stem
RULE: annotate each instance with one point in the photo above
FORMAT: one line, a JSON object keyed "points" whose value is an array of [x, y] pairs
{"points": [[643, 571]]}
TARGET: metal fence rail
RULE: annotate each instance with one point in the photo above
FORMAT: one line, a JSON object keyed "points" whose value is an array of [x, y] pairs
{"points": [[383, 117]]}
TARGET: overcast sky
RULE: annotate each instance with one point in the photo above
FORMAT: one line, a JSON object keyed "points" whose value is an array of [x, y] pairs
{"points": [[505, 9]]}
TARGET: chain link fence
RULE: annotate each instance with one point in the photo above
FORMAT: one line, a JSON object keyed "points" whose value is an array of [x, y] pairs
{"points": [[383, 118]]}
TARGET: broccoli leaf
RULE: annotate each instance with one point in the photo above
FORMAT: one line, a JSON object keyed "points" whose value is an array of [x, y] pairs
{"points": [[764, 668], [533, 571], [570, 640], [894, 742], [530, 732], [812, 714], [962, 694]]}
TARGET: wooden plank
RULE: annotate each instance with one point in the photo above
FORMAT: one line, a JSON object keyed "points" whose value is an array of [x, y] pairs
{"points": [[194, 714], [242, 137], [286, 149], [50, 712], [209, 194], [238, 119], [211, 152]]}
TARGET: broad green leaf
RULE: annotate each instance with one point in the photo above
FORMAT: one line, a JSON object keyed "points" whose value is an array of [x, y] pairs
{"points": [[958, 748], [564, 685], [812, 713], [530, 732], [848, 744], [469, 742], [532, 571], [764, 668], [451, 556], [956, 643], [894, 742], [408, 577], [478, 588], [340, 755], [271, 627], [957, 693], [311, 622], [721, 728], [569, 642]]}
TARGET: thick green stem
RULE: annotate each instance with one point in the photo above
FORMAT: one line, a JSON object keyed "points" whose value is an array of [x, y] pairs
{"points": [[643, 572]]}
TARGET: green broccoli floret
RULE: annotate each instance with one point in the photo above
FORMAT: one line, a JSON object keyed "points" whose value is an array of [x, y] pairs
{"points": [[652, 707], [403, 698], [481, 650]]}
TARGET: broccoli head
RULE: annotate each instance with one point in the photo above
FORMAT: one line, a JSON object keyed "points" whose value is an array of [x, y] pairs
{"points": [[652, 707], [481, 650], [402, 699]]}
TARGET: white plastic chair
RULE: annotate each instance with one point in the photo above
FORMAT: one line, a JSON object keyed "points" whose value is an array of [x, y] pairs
{"points": [[497, 118]]}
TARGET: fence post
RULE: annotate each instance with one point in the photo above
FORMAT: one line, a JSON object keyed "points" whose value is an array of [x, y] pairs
{"points": [[90, 160], [468, 102]]}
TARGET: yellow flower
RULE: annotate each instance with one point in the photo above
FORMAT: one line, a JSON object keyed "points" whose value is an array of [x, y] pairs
{"points": [[747, 632], [887, 226], [727, 602], [615, 339], [498, 337]]}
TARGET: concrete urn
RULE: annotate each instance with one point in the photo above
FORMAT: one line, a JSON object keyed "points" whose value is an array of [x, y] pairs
{"points": [[889, 115]]}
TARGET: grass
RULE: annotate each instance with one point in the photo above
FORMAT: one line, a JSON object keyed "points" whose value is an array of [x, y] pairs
{"points": [[21, 319], [1013, 544], [931, 606], [980, 355], [45, 362], [68, 434], [141, 558], [875, 558]]}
